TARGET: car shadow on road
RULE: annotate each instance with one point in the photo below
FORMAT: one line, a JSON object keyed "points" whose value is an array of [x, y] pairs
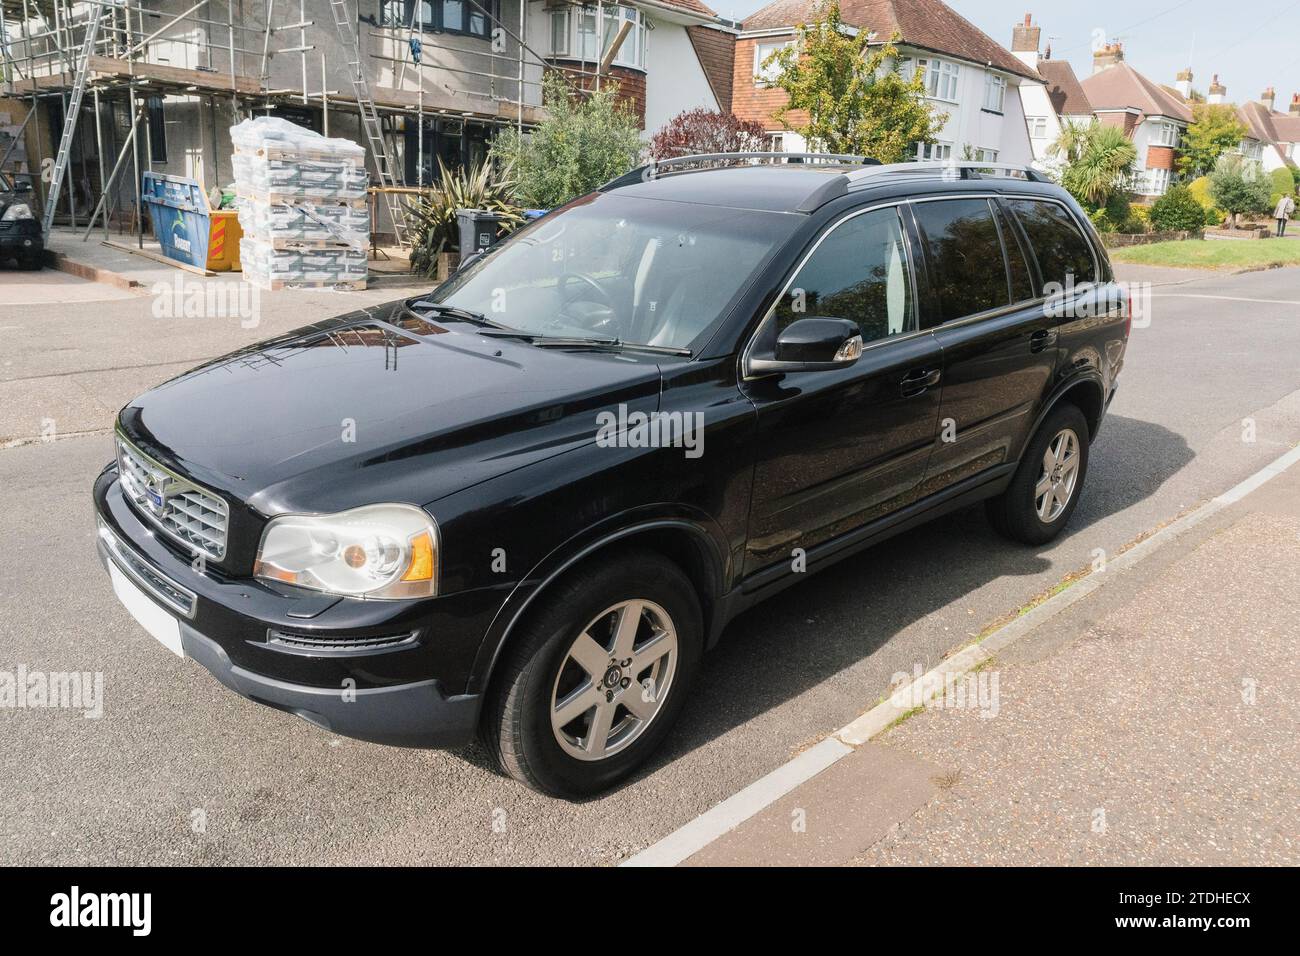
{"points": [[845, 614]]}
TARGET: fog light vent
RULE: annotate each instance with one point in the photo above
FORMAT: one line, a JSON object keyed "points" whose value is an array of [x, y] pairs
{"points": [[321, 646]]}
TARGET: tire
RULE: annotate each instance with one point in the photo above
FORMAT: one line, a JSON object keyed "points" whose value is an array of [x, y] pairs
{"points": [[31, 263], [1024, 512], [541, 669]]}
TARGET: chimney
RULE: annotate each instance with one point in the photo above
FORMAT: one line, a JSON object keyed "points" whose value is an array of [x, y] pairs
{"points": [[1218, 91], [1184, 83], [1107, 56], [1294, 109], [1024, 41], [1267, 98]]}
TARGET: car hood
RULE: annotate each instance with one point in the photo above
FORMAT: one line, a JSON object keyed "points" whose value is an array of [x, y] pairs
{"points": [[379, 405]]}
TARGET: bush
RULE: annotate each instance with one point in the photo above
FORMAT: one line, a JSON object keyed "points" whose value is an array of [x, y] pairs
{"points": [[433, 216], [1139, 220], [1239, 186], [1214, 217], [1283, 181], [1177, 211], [1200, 190], [586, 140], [707, 131]]}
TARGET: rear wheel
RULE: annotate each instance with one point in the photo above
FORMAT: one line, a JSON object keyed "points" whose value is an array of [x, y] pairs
{"points": [[598, 676], [1037, 505]]}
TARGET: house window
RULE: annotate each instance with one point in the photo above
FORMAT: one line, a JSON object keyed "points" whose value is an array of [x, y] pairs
{"points": [[940, 78], [157, 130], [776, 142], [1166, 134], [578, 31], [439, 16], [766, 75], [1252, 149], [985, 155], [1037, 126], [995, 91], [934, 150]]}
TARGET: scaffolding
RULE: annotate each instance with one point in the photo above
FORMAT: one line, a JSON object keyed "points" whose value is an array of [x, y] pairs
{"points": [[129, 55]]}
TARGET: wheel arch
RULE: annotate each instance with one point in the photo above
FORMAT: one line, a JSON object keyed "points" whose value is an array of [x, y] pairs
{"points": [[1085, 391], [684, 541]]}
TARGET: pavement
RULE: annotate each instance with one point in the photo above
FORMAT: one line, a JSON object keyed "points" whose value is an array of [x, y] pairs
{"points": [[177, 769], [1152, 723]]}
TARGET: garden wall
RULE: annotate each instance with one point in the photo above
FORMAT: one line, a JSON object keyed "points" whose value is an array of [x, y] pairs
{"points": [[1118, 240]]}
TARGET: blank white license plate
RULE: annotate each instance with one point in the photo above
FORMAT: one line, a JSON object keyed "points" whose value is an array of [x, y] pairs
{"points": [[148, 612]]}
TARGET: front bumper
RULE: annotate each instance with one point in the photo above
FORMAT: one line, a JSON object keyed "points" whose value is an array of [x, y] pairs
{"points": [[21, 239], [394, 695]]}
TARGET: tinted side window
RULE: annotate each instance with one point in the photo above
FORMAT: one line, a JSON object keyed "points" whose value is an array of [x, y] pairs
{"points": [[1022, 284], [965, 256], [1059, 246], [860, 273]]}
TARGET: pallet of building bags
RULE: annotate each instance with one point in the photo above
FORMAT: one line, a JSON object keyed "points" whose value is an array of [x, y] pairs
{"points": [[304, 223], [272, 268], [308, 179]]}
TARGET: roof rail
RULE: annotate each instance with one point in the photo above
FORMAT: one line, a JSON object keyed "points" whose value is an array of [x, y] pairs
{"points": [[956, 169], [656, 168]]}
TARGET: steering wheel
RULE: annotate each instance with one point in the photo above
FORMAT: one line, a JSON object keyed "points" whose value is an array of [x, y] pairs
{"points": [[599, 307]]}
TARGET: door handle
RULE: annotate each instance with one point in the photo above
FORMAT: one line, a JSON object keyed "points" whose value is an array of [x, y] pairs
{"points": [[918, 380], [1042, 339]]}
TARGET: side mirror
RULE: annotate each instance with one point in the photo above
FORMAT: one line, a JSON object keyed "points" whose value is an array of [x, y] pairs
{"points": [[813, 345]]}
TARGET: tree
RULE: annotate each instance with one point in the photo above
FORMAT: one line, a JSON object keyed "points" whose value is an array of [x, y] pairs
{"points": [[706, 131], [856, 98], [1097, 160], [1215, 129], [1177, 210], [585, 140], [1238, 185]]}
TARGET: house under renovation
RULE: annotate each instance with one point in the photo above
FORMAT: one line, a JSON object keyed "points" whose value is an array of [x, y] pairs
{"points": [[156, 85]]}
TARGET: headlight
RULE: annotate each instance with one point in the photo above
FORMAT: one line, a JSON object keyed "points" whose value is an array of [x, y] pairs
{"points": [[18, 210], [383, 552]]}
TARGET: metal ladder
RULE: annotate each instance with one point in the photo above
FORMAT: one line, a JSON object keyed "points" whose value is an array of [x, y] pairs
{"points": [[73, 114], [345, 23]]}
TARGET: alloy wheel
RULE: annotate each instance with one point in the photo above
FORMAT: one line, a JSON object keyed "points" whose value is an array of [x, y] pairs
{"points": [[1060, 475]]}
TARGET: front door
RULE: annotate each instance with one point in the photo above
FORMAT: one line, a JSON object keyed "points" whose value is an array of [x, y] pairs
{"points": [[838, 449]]}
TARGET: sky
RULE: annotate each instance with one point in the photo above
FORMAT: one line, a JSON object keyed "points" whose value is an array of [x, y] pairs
{"points": [[1251, 44]]}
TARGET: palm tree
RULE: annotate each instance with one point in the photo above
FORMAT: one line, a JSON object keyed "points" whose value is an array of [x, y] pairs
{"points": [[1097, 159]]}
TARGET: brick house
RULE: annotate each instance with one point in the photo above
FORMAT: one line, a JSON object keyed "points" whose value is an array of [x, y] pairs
{"points": [[1152, 116], [969, 75]]}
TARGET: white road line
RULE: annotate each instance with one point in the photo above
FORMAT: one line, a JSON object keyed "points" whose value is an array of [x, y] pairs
{"points": [[736, 809], [1225, 298]]}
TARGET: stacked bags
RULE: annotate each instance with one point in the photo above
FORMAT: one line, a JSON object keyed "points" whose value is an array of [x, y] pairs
{"points": [[301, 200]]}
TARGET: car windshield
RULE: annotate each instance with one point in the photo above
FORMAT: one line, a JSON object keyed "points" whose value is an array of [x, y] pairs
{"points": [[639, 271]]}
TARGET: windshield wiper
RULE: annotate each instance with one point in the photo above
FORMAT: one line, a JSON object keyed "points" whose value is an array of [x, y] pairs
{"points": [[541, 340]]}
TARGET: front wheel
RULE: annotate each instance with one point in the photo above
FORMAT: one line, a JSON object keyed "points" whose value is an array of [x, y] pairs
{"points": [[1045, 489], [598, 676]]}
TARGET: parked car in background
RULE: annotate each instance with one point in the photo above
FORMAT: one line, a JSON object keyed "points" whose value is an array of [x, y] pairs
{"points": [[524, 505], [20, 227]]}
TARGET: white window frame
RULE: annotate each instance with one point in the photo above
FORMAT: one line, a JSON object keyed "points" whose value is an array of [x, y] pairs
{"points": [[1037, 126], [588, 30], [934, 151], [767, 77], [1166, 135], [942, 78], [985, 154], [995, 92]]}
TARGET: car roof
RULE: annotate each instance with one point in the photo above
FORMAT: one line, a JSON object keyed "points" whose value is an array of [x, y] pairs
{"points": [[800, 188]]}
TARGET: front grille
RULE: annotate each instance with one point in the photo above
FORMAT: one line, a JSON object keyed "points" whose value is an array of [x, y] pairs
{"points": [[185, 512]]}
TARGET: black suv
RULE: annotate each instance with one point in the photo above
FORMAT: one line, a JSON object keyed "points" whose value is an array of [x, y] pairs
{"points": [[20, 229], [525, 504]]}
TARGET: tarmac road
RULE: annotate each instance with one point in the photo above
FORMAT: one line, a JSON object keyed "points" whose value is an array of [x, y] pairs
{"points": [[178, 769]]}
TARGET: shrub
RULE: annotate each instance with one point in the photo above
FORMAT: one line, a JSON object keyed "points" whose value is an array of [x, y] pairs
{"points": [[1239, 186], [1176, 211], [1139, 220], [1200, 190], [1214, 217], [586, 140], [706, 131], [433, 216], [1283, 181]]}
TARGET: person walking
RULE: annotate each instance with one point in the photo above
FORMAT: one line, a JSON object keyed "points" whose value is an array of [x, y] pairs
{"points": [[1285, 206]]}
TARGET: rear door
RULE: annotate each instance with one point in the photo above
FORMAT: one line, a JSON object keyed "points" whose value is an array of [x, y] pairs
{"points": [[999, 345], [837, 449]]}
